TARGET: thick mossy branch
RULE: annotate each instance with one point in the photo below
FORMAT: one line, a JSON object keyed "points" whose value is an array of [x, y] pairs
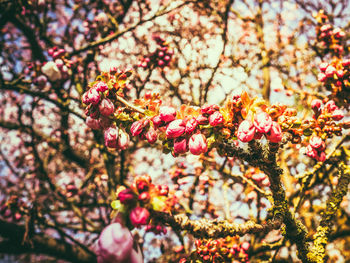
{"points": [[205, 228], [318, 252], [265, 159]]}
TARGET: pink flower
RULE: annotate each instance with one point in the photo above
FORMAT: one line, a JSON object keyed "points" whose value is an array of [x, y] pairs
{"points": [[317, 143], [246, 131], [330, 71], [216, 118], [180, 145], [111, 136], [115, 244], [175, 128], [321, 77], [100, 86], [157, 121], [123, 140], [330, 106], [92, 123], [337, 115], [93, 96], [126, 196], [106, 107], [311, 152], [191, 125], [275, 133], [139, 216], [197, 144], [167, 114], [262, 122], [136, 128], [323, 66], [151, 135], [316, 104], [209, 109]]}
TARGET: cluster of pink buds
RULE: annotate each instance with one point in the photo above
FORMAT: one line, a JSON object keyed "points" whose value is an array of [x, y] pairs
{"points": [[336, 78], [116, 245], [160, 58], [328, 37], [219, 250], [316, 148], [138, 200], [13, 209], [262, 125]]}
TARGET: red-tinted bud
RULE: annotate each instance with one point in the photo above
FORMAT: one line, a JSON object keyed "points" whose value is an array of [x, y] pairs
{"points": [[126, 196], [330, 106], [246, 131], [245, 246], [136, 128], [323, 66], [151, 135], [321, 77], [144, 197], [198, 144], [180, 145], [111, 136], [92, 123], [262, 122], [216, 118], [106, 107], [175, 128], [275, 133], [201, 119], [330, 71], [191, 125], [337, 115], [139, 216], [167, 114], [316, 105], [209, 109]]}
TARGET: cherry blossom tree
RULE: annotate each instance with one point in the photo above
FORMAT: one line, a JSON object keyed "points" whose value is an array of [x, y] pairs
{"points": [[174, 131]]}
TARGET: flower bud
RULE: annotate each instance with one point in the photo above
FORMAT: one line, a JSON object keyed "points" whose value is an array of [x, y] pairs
{"points": [[167, 114], [151, 135], [41, 81], [262, 122], [330, 106], [246, 131], [93, 96], [139, 216], [216, 118], [330, 71], [92, 123], [191, 125], [209, 109], [100, 86], [114, 244], [157, 121], [123, 140], [245, 246], [316, 104], [275, 133], [126, 196], [136, 128], [198, 144], [321, 77], [201, 119], [321, 157], [175, 128], [311, 152], [323, 66], [180, 145], [337, 115], [144, 197], [106, 107], [111, 135], [316, 143]]}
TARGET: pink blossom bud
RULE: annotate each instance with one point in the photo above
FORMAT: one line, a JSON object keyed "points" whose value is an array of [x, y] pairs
{"points": [[123, 140], [321, 157], [93, 96], [167, 114], [340, 73], [106, 107], [216, 118], [330, 71], [126, 196], [191, 125], [316, 142], [157, 121], [85, 98], [275, 133], [175, 128], [245, 246], [337, 115], [209, 109], [136, 128], [92, 123], [180, 145], [198, 144], [321, 77], [114, 244], [139, 216], [316, 104], [111, 136], [262, 122], [246, 131], [323, 66], [201, 119], [144, 197], [311, 152], [330, 106], [151, 135], [100, 86], [346, 62]]}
